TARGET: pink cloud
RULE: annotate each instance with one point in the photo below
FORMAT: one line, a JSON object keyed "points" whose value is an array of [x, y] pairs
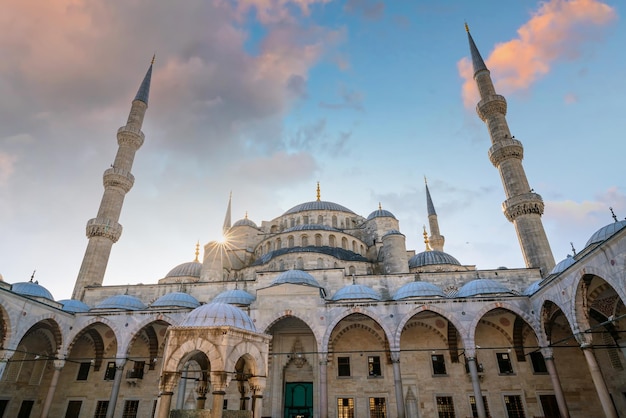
{"points": [[552, 34], [272, 11], [7, 167]]}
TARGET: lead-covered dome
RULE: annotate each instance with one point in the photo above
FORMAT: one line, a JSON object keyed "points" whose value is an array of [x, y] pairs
{"points": [[606, 232], [429, 258], [176, 300], [295, 277], [245, 222], [481, 287], [124, 302], [235, 297], [418, 290], [356, 291], [563, 265], [190, 269], [380, 213], [218, 314], [534, 286], [73, 305], [33, 289], [311, 227], [318, 205]]}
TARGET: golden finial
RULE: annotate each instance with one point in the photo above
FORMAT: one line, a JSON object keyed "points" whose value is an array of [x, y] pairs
{"points": [[153, 58], [466, 27], [197, 251], [380, 207], [426, 240], [318, 192], [246, 214]]}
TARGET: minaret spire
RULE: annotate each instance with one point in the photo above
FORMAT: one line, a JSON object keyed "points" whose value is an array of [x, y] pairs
{"points": [[104, 230], [227, 217], [523, 207], [436, 240]]}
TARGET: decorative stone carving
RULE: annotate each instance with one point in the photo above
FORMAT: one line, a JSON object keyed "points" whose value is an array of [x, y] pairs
{"points": [[116, 177], [491, 105], [524, 204], [101, 227], [505, 149], [130, 137]]}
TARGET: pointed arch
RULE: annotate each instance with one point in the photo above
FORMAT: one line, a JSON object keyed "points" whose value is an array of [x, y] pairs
{"points": [[353, 310], [426, 308]]}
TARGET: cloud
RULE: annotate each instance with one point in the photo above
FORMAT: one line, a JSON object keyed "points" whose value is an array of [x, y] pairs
{"points": [[275, 168], [557, 31], [570, 98], [350, 99], [572, 212], [314, 138], [368, 9], [7, 163]]}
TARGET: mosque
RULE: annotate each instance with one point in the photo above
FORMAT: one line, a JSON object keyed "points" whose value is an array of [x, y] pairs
{"points": [[322, 312]]}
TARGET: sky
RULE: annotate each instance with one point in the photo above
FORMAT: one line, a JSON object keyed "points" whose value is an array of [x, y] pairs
{"points": [[265, 98]]}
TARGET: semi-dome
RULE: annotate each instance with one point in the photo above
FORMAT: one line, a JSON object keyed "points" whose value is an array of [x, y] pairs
{"points": [[125, 302], [356, 291], [534, 286], [245, 222], [176, 299], [318, 205], [33, 289], [481, 287], [428, 258], [235, 297], [217, 314], [380, 213], [311, 227], [73, 305], [392, 232], [295, 277], [563, 265], [605, 232], [418, 289], [190, 269]]}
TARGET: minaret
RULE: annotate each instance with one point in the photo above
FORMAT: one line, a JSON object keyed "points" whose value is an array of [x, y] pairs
{"points": [[436, 240], [104, 230], [523, 207], [227, 217]]}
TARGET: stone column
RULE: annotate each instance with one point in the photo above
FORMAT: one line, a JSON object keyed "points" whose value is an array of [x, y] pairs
{"points": [[58, 366], [556, 383], [166, 388], [478, 395], [323, 357], [219, 382], [243, 391], [257, 384], [397, 381], [119, 374], [598, 381], [182, 388]]}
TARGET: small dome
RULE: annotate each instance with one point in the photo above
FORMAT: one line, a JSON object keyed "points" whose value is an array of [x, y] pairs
{"points": [[428, 258], [245, 222], [125, 302], [235, 297], [311, 227], [73, 305], [176, 299], [380, 213], [33, 289], [534, 286], [481, 287], [605, 232], [190, 269], [418, 289], [563, 265], [317, 205], [217, 314], [356, 291], [392, 232], [295, 277]]}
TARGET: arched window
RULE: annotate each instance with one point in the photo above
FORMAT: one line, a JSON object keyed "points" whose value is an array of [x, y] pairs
{"points": [[300, 263], [344, 243], [320, 263], [334, 221], [352, 270], [290, 241], [331, 241], [305, 240], [320, 220], [362, 252], [318, 240], [305, 219], [268, 247], [354, 246], [279, 244], [282, 264]]}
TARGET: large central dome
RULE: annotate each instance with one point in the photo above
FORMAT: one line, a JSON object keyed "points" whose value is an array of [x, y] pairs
{"points": [[318, 205]]}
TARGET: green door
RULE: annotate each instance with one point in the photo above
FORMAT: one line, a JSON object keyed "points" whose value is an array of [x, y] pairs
{"points": [[299, 400]]}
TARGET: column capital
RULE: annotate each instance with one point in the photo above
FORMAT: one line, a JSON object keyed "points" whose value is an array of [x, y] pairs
{"points": [[257, 385], [219, 381], [323, 358], [59, 364], [395, 356], [168, 382]]}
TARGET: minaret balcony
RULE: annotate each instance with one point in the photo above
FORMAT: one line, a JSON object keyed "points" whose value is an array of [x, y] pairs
{"points": [[505, 149], [523, 204], [102, 227], [490, 105], [116, 177], [130, 136]]}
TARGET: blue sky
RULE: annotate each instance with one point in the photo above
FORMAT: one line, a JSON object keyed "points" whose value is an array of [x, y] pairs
{"points": [[267, 97]]}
